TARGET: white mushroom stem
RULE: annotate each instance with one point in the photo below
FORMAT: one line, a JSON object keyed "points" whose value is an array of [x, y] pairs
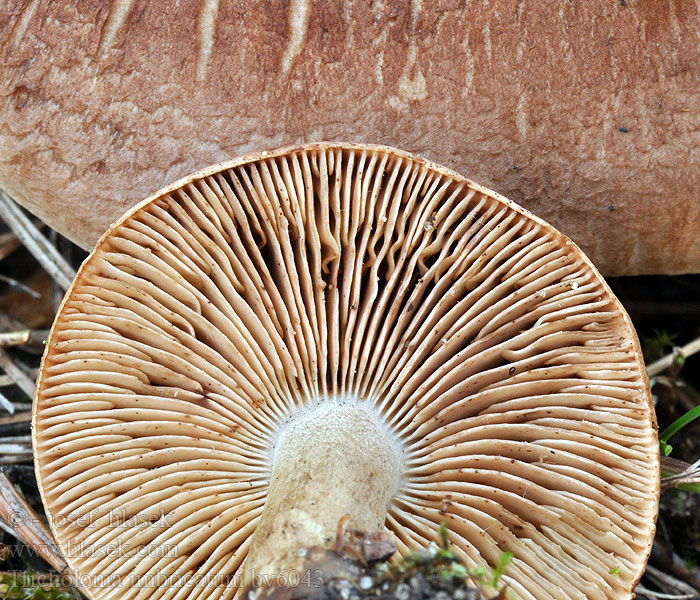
{"points": [[333, 459]]}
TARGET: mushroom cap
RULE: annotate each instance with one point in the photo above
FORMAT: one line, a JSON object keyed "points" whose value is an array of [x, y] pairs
{"points": [[584, 113], [483, 340]]}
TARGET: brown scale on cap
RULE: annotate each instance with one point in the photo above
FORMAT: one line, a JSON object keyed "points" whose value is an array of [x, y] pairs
{"points": [[275, 343], [586, 113]]}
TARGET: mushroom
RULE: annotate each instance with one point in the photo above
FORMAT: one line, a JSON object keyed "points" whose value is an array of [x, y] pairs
{"points": [[585, 113], [330, 332]]}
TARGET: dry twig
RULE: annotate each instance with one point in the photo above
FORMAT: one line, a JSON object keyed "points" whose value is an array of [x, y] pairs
{"points": [[32, 338], [26, 526], [8, 244], [689, 474], [16, 424], [6, 404], [665, 362], [16, 449], [13, 283], [23, 381], [15, 338], [45, 252], [674, 588], [640, 589]]}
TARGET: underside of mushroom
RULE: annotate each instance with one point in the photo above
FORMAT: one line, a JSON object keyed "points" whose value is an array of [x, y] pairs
{"points": [[275, 343]]}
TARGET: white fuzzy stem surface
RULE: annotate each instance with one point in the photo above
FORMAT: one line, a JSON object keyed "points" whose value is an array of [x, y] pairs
{"points": [[333, 459]]}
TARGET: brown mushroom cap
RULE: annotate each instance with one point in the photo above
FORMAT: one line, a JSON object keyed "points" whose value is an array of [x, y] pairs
{"points": [[485, 354], [586, 113]]}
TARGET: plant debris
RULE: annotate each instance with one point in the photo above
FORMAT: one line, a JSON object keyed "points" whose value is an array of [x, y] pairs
{"points": [[432, 573], [31, 586]]}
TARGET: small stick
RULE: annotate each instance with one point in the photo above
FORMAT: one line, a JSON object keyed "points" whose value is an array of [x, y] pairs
{"points": [[20, 418], [22, 522], [16, 424], [6, 528], [13, 283], [33, 338], [23, 381], [8, 244], [649, 594], [15, 449], [665, 362], [15, 338], [16, 439], [37, 337], [685, 590], [691, 474], [47, 255], [27, 526], [670, 465], [6, 404], [16, 459]]}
